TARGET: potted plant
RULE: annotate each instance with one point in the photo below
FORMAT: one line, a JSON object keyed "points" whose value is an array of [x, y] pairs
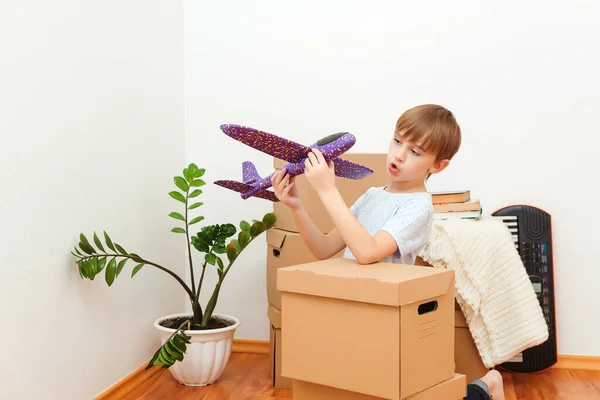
{"points": [[195, 346]]}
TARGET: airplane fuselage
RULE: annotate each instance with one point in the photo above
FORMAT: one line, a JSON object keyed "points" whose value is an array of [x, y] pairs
{"points": [[331, 146]]}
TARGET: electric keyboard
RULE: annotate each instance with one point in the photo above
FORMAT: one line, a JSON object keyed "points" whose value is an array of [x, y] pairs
{"points": [[532, 234]]}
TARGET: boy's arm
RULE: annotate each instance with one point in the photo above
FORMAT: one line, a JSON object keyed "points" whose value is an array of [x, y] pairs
{"points": [[321, 245], [366, 248]]}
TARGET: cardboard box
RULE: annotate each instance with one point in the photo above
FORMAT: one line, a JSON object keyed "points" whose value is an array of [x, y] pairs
{"points": [[383, 329], [350, 189], [284, 249], [452, 389], [466, 356], [278, 380]]}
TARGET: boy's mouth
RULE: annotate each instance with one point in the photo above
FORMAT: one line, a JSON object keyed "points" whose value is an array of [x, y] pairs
{"points": [[393, 168]]}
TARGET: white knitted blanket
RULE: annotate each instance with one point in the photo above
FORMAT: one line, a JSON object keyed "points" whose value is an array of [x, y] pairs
{"points": [[492, 286]]}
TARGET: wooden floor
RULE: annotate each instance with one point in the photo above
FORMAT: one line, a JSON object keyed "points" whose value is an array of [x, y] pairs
{"points": [[247, 378]]}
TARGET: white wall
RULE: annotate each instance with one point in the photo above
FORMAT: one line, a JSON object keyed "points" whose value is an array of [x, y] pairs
{"points": [[92, 133], [520, 76]]}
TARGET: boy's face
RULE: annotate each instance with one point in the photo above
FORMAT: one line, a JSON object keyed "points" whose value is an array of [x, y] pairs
{"points": [[408, 162]]}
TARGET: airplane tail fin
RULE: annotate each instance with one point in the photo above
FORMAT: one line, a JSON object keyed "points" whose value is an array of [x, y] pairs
{"points": [[244, 188], [249, 173]]}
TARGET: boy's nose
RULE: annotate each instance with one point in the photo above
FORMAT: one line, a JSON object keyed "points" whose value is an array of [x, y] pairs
{"points": [[399, 156]]}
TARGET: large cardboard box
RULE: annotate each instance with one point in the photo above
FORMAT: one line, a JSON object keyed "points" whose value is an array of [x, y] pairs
{"points": [[350, 189], [385, 330], [284, 249], [452, 389], [466, 356], [278, 380]]}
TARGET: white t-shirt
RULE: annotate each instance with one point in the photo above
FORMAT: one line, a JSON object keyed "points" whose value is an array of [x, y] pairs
{"points": [[406, 216]]}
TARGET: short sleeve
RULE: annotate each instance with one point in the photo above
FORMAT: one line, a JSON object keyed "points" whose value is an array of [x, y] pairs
{"points": [[410, 227], [354, 208]]}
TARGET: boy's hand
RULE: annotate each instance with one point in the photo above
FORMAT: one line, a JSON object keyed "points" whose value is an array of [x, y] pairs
{"points": [[318, 172], [285, 189]]}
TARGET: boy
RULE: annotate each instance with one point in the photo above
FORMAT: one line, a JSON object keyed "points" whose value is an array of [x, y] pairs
{"points": [[389, 224]]}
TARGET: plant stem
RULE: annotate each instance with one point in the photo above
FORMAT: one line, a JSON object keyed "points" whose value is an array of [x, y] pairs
{"points": [[210, 307], [142, 261], [201, 280], [187, 235]]}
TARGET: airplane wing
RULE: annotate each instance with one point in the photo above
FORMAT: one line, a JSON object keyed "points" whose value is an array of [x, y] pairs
{"points": [[268, 143], [242, 188], [350, 170]]}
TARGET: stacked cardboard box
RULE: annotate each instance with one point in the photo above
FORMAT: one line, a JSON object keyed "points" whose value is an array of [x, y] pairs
{"points": [[285, 246], [385, 331]]}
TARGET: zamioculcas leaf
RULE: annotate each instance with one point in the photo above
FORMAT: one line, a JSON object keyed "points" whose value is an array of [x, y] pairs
{"points": [[109, 242], [199, 172], [257, 228], [243, 238], [181, 183], [121, 265], [111, 271], [83, 239], [231, 252], [192, 168], [101, 264], [198, 183], [177, 196], [196, 220], [77, 251], [236, 244], [94, 267], [196, 193], [172, 350], [245, 226], [136, 269], [220, 263], [186, 174], [120, 249], [200, 245], [195, 205], [87, 269], [98, 243], [176, 215], [210, 258], [178, 230], [219, 248], [86, 248], [269, 220]]}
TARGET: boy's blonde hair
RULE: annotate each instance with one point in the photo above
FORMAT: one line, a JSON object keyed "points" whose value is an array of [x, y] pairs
{"points": [[434, 127]]}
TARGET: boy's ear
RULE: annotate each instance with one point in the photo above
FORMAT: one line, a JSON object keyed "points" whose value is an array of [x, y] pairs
{"points": [[439, 166]]}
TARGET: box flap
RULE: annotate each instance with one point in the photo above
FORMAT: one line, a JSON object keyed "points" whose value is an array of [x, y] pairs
{"points": [[274, 316], [276, 237], [379, 283]]}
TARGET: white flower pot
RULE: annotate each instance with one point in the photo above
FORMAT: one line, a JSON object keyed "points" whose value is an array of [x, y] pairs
{"points": [[207, 354]]}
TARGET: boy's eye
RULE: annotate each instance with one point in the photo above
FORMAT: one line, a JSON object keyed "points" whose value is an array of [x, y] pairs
{"points": [[397, 141], [415, 152]]}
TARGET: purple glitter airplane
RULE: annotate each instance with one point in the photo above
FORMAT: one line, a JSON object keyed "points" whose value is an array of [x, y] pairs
{"points": [[331, 146]]}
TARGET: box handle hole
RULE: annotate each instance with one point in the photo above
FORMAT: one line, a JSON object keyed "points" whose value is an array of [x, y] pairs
{"points": [[428, 307], [276, 253]]}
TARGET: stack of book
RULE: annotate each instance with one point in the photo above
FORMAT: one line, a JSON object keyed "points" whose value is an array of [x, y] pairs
{"points": [[455, 204]]}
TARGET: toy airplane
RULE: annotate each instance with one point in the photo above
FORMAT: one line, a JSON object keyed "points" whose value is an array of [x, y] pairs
{"points": [[331, 146]]}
